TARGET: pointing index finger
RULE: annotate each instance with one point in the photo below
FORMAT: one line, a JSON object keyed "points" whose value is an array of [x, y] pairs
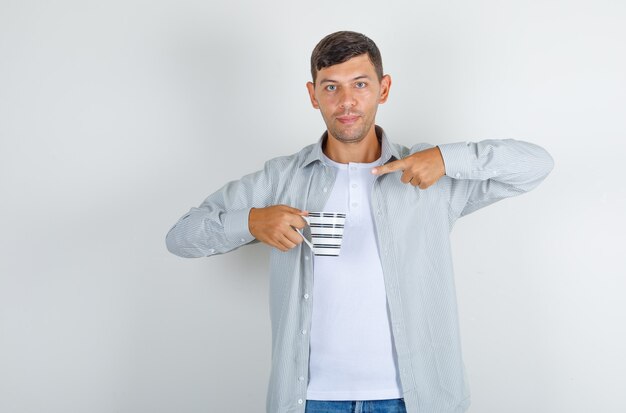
{"points": [[389, 167]]}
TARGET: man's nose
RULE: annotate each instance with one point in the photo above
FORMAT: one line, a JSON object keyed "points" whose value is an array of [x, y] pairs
{"points": [[347, 99]]}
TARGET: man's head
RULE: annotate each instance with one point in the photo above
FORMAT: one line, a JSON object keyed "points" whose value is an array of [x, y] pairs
{"points": [[341, 46], [348, 85]]}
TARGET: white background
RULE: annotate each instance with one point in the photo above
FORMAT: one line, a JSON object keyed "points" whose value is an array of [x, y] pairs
{"points": [[116, 117]]}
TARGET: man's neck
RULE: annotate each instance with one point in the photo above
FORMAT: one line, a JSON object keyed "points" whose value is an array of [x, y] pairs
{"points": [[366, 151]]}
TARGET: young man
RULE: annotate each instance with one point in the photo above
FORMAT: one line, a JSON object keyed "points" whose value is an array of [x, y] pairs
{"points": [[376, 327]]}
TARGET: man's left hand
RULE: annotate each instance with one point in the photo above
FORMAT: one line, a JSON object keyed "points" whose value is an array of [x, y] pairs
{"points": [[420, 169]]}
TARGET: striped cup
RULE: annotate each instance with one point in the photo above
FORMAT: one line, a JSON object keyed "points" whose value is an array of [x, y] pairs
{"points": [[326, 232]]}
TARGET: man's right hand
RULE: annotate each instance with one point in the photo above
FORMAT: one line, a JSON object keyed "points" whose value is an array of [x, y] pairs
{"points": [[274, 225]]}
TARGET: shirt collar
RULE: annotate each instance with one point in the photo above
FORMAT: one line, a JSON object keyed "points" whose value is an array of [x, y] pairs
{"points": [[388, 153]]}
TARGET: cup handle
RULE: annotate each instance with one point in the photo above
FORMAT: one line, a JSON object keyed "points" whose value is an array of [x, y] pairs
{"points": [[304, 238], [308, 222]]}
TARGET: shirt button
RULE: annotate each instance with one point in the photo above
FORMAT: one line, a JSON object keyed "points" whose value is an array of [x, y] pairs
{"points": [[243, 240], [325, 189], [306, 296], [211, 251], [303, 332], [300, 378], [300, 401], [306, 257], [458, 175]]}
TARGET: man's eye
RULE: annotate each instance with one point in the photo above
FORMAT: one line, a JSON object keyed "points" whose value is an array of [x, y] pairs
{"points": [[331, 88], [361, 85]]}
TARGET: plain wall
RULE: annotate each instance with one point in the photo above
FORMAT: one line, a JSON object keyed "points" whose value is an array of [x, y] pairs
{"points": [[117, 117]]}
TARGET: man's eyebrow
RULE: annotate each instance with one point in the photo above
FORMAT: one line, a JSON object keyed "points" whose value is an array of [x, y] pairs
{"points": [[334, 81]]}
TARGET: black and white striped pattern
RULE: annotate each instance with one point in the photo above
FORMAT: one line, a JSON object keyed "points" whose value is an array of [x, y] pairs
{"points": [[326, 232], [412, 228]]}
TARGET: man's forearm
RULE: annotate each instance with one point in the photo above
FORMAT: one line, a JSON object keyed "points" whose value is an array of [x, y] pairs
{"points": [[487, 171], [518, 163], [202, 233]]}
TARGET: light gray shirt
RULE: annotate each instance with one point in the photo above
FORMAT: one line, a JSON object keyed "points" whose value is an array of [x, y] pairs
{"points": [[412, 226]]}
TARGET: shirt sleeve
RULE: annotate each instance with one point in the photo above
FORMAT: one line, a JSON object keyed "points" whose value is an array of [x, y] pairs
{"points": [[485, 172], [220, 223]]}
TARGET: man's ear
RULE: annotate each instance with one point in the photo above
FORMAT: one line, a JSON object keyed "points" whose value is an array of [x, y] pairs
{"points": [[311, 88], [385, 85]]}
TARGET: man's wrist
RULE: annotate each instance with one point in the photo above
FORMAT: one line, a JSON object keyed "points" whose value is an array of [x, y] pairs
{"points": [[457, 163], [236, 226]]}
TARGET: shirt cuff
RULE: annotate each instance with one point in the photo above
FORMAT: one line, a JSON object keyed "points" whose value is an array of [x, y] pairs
{"points": [[457, 160], [236, 226]]}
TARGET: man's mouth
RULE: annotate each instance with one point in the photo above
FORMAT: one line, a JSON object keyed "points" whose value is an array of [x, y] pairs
{"points": [[348, 119]]}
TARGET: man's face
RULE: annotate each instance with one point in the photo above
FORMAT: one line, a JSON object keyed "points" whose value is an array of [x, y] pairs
{"points": [[348, 94]]}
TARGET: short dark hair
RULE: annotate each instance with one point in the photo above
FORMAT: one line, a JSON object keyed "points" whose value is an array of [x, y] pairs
{"points": [[341, 46]]}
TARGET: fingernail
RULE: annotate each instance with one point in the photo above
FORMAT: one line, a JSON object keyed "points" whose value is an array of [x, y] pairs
{"points": [[374, 171]]}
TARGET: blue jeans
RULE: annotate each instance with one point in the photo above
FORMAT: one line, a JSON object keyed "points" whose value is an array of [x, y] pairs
{"points": [[368, 406]]}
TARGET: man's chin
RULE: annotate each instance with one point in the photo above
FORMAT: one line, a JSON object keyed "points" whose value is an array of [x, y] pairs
{"points": [[350, 139], [346, 137]]}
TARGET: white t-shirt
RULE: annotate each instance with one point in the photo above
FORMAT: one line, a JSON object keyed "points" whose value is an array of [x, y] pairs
{"points": [[352, 352]]}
